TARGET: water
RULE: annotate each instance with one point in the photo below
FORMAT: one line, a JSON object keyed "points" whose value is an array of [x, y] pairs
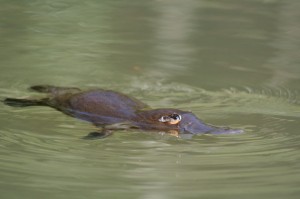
{"points": [[232, 63]]}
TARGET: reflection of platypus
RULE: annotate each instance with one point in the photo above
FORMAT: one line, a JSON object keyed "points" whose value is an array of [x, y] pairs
{"points": [[113, 110]]}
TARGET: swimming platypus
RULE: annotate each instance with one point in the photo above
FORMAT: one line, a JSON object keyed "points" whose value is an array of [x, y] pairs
{"points": [[113, 110]]}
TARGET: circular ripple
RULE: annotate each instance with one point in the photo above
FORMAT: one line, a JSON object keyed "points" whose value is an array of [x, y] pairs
{"points": [[41, 148]]}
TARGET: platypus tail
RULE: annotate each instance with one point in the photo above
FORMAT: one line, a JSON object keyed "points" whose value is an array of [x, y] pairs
{"points": [[53, 89], [25, 102]]}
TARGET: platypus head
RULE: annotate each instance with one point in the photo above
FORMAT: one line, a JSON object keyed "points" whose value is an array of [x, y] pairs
{"points": [[181, 121]]}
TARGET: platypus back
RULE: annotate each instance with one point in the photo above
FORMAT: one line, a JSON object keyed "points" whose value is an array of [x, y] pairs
{"points": [[97, 106]]}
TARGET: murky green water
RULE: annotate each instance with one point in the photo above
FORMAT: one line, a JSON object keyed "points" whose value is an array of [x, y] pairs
{"points": [[232, 63]]}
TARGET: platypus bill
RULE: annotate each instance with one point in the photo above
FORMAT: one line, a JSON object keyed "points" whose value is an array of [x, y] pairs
{"points": [[112, 110]]}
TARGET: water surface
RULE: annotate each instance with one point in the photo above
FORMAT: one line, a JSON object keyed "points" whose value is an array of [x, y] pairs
{"points": [[232, 63]]}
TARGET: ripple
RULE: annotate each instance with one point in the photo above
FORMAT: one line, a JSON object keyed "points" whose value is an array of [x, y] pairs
{"points": [[41, 147], [243, 100], [269, 116]]}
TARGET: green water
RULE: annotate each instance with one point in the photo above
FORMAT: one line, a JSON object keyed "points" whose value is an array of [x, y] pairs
{"points": [[233, 63]]}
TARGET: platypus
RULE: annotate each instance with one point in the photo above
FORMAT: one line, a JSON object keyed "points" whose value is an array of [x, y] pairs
{"points": [[111, 110]]}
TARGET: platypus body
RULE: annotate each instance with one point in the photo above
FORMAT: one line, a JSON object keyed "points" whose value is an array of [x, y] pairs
{"points": [[112, 110]]}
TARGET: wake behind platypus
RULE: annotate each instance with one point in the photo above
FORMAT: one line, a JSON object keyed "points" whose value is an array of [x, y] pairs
{"points": [[110, 110]]}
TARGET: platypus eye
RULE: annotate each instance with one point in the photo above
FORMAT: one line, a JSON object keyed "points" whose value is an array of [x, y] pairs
{"points": [[171, 119], [175, 117]]}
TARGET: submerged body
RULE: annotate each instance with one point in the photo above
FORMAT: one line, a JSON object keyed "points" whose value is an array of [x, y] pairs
{"points": [[114, 110]]}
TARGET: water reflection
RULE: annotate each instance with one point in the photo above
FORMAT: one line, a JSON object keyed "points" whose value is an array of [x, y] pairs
{"points": [[285, 63], [231, 63], [100, 40]]}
